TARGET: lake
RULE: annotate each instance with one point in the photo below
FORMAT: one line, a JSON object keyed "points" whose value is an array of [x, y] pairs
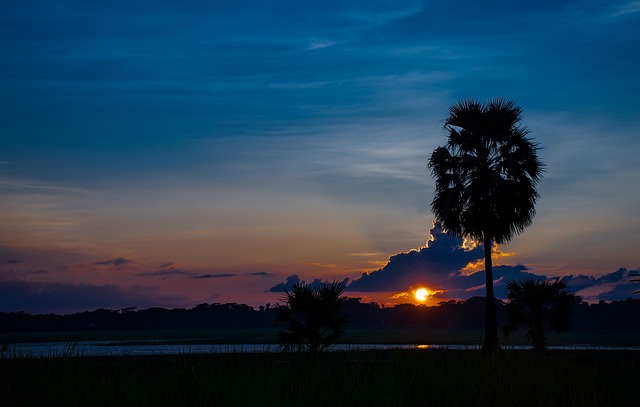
{"points": [[133, 348]]}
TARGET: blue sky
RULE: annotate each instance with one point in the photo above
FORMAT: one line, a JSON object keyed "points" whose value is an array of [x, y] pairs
{"points": [[259, 140]]}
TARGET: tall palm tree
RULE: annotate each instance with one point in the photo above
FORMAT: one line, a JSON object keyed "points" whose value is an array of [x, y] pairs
{"points": [[486, 178], [540, 305], [313, 315]]}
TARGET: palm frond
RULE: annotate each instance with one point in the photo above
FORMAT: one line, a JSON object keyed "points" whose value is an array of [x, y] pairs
{"points": [[313, 315], [540, 305]]}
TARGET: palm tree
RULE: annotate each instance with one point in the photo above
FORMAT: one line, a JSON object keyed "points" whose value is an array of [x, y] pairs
{"points": [[313, 315], [540, 305], [486, 180]]}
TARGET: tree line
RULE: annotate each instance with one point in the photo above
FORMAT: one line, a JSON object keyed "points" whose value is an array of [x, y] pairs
{"points": [[468, 314]]}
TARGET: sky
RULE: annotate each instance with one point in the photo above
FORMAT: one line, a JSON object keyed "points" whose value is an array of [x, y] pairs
{"points": [[171, 153]]}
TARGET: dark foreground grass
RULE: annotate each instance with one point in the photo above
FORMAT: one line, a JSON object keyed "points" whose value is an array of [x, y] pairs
{"points": [[371, 378]]}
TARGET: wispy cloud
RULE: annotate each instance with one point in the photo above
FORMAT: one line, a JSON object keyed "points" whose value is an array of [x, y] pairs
{"points": [[317, 43], [624, 9], [118, 262], [207, 276], [168, 269]]}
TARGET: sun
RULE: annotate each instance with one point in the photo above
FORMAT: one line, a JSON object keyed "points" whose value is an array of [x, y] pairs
{"points": [[421, 294]]}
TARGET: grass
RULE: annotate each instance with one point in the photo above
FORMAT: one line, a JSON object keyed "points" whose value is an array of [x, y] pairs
{"points": [[372, 378]]}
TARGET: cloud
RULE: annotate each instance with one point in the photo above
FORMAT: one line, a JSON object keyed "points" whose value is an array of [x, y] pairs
{"points": [[609, 287], [625, 9], [48, 297], [166, 273], [465, 286], [293, 280], [119, 262], [444, 263], [318, 43], [220, 275], [435, 265], [286, 286], [167, 270]]}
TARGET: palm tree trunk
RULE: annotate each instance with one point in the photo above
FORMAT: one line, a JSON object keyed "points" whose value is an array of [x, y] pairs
{"points": [[490, 323]]}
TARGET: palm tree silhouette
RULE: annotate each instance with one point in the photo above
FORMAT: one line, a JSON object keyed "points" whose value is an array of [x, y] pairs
{"points": [[486, 180], [540, 305], [313, 315]]}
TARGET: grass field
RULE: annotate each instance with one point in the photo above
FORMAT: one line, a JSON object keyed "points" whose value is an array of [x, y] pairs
{"points": [[365, 378]]}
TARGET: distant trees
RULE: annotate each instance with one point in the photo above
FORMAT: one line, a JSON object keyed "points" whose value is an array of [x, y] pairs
{"points": [[609, 316], [486, 178], [540, 306], [313, 316], [636, 278]]}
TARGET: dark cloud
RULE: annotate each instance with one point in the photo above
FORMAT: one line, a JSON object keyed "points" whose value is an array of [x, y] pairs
{"points": [[118, 262], [260, 273], [439, 265], [435, 264], [167, 270], [220, 275], [617, 285], [286, 286], [14, 261], [48, 297], [293, 280], [461, 286]]}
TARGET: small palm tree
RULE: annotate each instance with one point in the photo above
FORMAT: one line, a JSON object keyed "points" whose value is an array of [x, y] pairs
{"points": [[486, 178], [540, 305], [313, 315]]}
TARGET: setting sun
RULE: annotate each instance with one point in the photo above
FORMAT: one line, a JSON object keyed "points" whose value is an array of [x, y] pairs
{"points": [[421, 294]]}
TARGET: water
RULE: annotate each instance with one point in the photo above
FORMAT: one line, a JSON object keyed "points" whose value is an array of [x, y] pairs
{"points": [[108, 348]]}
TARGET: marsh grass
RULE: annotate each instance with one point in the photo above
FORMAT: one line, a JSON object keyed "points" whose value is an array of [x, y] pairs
{"points": [[372, 378]]}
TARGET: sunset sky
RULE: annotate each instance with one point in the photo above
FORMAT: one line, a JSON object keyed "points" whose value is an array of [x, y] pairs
{"points": [[170, 153]]}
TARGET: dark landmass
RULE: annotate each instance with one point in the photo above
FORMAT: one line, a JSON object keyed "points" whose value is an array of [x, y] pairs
{"points": [[469, 314]]}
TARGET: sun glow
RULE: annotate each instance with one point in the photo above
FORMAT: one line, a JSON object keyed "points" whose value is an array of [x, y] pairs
{"points": [[421, 294]]}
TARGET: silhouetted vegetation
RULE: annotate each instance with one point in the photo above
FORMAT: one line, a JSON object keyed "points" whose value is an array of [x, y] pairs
{"points": [[468, 314], [369, 378], [313, 315], [486, 180], [541, 306]]}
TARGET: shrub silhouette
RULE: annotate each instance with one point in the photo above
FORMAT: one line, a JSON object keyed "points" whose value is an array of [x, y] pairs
{"points": [[313, 316], [541, 306]]}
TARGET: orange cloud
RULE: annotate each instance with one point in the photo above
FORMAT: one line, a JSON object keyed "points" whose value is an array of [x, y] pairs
{"points": [[475, 266]]}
